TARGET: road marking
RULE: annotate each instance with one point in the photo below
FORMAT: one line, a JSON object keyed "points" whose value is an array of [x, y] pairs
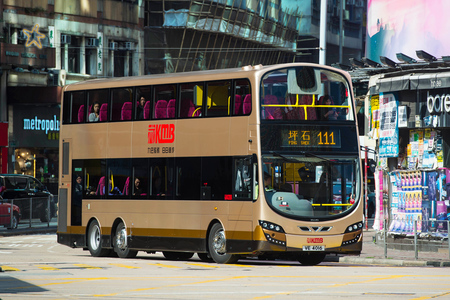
{"points": [[164, 266], [432, 297], [203, 265], [125, 266], [86, 266], [7, 268], [47, 268]]}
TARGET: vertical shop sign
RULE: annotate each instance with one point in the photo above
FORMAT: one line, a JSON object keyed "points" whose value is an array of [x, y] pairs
{"points": [[100, 53], [388, 125], [375, 115], [51, 36]]}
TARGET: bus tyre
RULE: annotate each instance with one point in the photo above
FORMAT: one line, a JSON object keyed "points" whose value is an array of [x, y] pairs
{"points": [[94, 241], [204, 257], [177, 255], [217, 246], [121, 243], [311, 259], [15, 222]]}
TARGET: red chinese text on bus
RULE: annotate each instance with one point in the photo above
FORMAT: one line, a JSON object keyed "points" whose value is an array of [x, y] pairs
{"points": [[161, 134]]}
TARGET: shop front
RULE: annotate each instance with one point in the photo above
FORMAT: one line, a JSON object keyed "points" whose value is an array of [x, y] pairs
{"points": [[33, 141], [410, 119]]}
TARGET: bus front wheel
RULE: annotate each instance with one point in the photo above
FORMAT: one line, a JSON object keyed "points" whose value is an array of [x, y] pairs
{"points": [[94, 240], [121, 243], [311, 259], [217, 246]]}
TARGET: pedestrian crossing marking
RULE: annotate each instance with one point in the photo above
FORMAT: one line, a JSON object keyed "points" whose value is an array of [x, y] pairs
{"points": [[7, 268], [125, 266], [164, 266], [47, 268], [86, 266]]}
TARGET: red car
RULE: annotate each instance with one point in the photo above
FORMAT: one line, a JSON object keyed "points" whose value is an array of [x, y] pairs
{"points": [[5, 215]]}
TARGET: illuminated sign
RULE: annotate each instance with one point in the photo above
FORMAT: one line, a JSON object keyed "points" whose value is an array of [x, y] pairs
{"points": [[41, 124], [438, 103], [34, 37], [311, 138], [161, 133]]}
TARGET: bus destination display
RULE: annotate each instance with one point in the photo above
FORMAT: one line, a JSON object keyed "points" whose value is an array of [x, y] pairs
{"points": [[322, 138]]}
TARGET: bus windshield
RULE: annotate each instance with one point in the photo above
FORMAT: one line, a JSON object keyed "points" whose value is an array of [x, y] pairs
{"points": [[311, 186], [305, 93]]}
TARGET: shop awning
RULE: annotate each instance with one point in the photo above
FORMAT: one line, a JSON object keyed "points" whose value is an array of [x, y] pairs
{"points": [[417, 81], [399, 83]]}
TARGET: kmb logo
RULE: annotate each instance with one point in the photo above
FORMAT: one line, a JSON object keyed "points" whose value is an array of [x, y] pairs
{"points": [[161, 134], [314, 240]]}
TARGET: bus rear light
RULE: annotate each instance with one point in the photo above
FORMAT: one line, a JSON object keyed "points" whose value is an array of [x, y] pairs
{"points": [[228, 197]]}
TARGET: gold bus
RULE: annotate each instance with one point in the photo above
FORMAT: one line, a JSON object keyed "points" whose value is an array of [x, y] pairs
{"points": [[260, 161]]}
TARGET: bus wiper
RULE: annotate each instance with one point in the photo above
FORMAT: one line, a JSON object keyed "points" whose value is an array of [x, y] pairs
{"points": [[283, 157], [316, 156]]}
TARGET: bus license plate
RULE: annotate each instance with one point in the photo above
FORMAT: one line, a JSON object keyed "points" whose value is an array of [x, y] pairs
{"points": [[313, 248]]}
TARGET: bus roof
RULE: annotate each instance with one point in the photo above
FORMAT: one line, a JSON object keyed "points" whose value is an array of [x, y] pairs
{"points": [[218, 74]]}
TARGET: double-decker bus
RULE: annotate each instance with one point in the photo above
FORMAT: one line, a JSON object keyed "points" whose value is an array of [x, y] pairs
{"points": [[260, 161]]}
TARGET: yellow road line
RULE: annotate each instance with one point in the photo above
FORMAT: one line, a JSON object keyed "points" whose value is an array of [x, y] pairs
{"points": [[7, 268], [125, 266], [47, 267], [86, 266], [164, 266], [203, 265]]}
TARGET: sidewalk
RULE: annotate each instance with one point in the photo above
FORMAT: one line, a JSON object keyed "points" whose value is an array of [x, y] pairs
{"points": [[373, 254]]}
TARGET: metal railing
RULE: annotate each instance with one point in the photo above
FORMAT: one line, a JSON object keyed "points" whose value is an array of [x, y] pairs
{"points": [[420, 236], [34, 212]]}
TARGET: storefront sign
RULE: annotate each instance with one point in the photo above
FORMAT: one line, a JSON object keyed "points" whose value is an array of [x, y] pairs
{"points": [[437, 104], [388, 126], [41, 124]]}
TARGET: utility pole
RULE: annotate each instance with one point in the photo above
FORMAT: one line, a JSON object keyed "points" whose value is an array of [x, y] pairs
{"points": [[323, 32]]}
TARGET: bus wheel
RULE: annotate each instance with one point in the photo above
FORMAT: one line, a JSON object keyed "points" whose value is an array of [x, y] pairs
{"points": [[311, 259], [121, 243], [217, 246], [94, 241], [177, 255], [204, 257]]}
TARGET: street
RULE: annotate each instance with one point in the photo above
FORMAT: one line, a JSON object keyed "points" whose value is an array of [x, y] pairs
{"points": [[36, 267]]}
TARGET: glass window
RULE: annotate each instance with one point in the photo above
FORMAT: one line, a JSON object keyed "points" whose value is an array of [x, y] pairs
{"points": [[139, 185], [164, 106], [217, 175], [306, 186], [121, 104], [191, 100], [243, 178], [305, 93], [162, 184], [218, 99], [143, 103], [118, 178], [94, 175], [188, 178], [98, 105], [242, 98]]}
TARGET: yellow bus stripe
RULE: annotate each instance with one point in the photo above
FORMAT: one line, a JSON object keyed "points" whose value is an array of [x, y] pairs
{"points": [[164, 266]]}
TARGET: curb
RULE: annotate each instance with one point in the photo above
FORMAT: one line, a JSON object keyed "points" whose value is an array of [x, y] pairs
{"points": [[393, 262], [26, 231]]}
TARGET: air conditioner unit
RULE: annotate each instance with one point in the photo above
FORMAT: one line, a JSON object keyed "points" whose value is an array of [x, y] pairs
{"points": [[129, 45], [66, 39], [57, 78], [92, 42], [114, 46]]}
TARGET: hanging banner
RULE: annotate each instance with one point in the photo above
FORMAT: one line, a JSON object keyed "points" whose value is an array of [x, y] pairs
{"points": [[100, 53], [389, 137]]}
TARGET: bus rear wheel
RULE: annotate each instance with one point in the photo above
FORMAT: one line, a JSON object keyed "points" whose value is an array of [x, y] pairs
{"points": [[217, 246], [177, 255], [311, 259], [121, 243], [94, 241]]}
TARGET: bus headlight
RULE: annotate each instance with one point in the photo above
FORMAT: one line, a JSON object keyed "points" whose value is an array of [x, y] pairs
{"points": [[274, 233], [271, 226], [354, 227]]}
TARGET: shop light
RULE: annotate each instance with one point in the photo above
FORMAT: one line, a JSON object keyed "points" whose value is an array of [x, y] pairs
{"points": [[446, 58], [405, 58], [425, 56], [388, 62], [356, 63]]}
